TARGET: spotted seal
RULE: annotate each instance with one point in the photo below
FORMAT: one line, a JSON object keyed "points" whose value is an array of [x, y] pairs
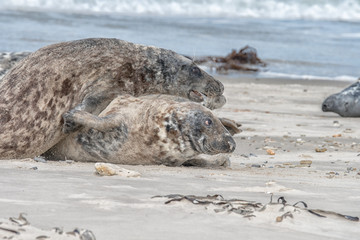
{"points": [[345, 103], [150, 129], [42, 95]]}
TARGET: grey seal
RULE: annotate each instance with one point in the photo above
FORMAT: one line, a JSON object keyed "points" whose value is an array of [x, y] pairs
{"points": [[150, 129], [42, 95], [345, 103]]}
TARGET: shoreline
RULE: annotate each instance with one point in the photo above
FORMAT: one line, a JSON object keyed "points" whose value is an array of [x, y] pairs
{"points": [[276, 81]]}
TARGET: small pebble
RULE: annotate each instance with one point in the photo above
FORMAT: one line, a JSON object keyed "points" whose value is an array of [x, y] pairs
{"points": [[350, 169], [306, 163], [348, 130], [270, 152], [287, 164], [256, 165], [320, 149], [336, 135]]}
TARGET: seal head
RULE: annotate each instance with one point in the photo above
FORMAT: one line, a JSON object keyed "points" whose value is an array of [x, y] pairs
{"points": [[345, 103], [206, 133], [202, 86], [184, 78]]}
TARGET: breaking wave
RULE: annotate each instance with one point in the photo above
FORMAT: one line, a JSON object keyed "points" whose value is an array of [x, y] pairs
{"points": [[335, 10]]}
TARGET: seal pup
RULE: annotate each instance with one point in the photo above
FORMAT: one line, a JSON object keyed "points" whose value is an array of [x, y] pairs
{"points": [[345, 103], [42, 97], [153, 129]]}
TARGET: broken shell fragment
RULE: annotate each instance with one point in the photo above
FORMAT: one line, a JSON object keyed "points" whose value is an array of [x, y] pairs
{"points": [[336, 135], [320, 149], [305, 163], [108, 169], [270, 152]]}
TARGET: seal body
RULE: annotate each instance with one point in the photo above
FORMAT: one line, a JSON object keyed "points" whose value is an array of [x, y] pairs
{"points": [[41, 95], [154, 129], [345, 103]]}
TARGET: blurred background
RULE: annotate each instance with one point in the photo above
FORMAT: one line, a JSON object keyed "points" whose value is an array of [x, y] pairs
{"points": [[302, 39]]}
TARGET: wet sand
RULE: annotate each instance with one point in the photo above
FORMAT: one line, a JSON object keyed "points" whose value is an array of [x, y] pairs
{"points": [[278, 116]]}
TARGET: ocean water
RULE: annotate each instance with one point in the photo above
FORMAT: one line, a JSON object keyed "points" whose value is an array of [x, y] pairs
{"points": [[296, 38]]}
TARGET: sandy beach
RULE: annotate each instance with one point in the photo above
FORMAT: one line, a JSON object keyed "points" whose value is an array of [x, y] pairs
{"points": [[316, 159], [288, 150]]}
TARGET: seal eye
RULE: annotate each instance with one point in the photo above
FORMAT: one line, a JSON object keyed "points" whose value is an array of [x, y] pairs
{"points": [[208, 122], [195, 71]]}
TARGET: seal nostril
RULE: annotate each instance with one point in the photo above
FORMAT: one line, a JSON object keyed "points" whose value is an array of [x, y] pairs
{"points": [[324, 107]]}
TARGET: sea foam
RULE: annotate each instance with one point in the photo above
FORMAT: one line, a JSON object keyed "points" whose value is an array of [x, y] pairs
{"points": [[346, 10], [345, 78]]}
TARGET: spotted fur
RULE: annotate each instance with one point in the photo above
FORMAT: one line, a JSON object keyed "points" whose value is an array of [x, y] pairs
{"points": [[345, 103], [154, 129]]}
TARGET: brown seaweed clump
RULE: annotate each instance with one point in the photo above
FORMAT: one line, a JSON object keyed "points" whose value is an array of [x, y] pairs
{"points": [[243, 60]]}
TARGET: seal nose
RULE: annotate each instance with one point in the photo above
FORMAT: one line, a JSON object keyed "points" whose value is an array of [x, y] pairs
{"points": [[324, 107], [327, 105], [216, 102], [225, 144]]}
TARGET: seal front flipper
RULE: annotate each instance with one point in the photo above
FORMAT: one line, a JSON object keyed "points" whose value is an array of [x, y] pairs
{"points": [[70, 124], [231, 126], [75, 119], [209, 161]]}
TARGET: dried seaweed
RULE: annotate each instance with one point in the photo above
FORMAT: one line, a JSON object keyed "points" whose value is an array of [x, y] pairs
{"points": [[246, 59], [249, 208], [17, 226]]}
